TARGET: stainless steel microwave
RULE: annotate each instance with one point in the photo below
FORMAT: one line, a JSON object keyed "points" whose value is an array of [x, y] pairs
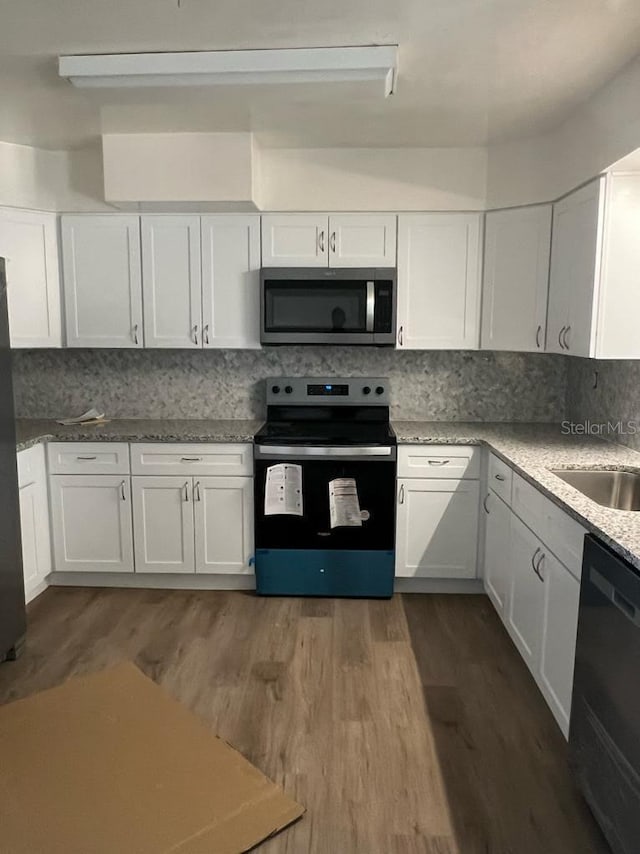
{"points": [[348, 305]]}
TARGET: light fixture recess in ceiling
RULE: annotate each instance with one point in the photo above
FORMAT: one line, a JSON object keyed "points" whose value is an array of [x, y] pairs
{"points": [[230, 67]]}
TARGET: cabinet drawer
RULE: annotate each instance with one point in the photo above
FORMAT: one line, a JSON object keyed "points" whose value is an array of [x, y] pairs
{"points": [[499, 478], [31, 465], [565, 537], [88, 458], [438, 461], [186, 459], [529, 504]]}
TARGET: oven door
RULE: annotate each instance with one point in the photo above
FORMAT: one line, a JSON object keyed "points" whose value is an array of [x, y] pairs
{"points": [[333, 306]]}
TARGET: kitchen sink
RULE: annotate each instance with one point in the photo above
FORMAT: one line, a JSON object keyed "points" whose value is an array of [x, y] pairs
{"points": [[619, 490]]}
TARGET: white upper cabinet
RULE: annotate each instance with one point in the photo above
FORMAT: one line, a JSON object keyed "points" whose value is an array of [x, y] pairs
{"points": [[335, 240], [594, 298], [295, 240], [362, 240], [516, 279], [439, 265], [29, 244], [574, 270], [171, 281], [231, 281], [102, 280]]}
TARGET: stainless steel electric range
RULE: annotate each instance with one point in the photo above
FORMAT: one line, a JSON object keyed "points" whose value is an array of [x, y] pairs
{"points": [[325, 474]]}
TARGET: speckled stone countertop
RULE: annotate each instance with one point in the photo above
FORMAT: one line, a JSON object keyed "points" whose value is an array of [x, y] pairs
{"points": [[533, 449], [30, 432]]}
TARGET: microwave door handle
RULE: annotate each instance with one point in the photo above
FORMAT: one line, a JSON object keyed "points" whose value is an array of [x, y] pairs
{"points": [[371, 306]]}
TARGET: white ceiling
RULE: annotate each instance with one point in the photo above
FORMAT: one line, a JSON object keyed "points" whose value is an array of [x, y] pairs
{"points": [[471, 71]]}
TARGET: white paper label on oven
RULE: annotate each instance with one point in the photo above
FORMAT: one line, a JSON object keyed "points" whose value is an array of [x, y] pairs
{"points": [[283, 490], [344, 506]]}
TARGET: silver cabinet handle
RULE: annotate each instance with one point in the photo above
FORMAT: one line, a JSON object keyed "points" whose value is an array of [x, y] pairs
{"points": [[499, 477], [438, 462], [122, 492], [564, 338], [186, 490], [484, 504], [560, 337], [135, 334], [401, 336], [332, 242], [196, 491], [195, 334], [537, 567], [86, 459], [205, 333], [401, 494], [190, 459], [533, 560], [538, 331], [321, 241]]}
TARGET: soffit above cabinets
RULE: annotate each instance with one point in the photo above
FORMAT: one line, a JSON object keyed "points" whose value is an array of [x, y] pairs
{"points": [[470, 71]]}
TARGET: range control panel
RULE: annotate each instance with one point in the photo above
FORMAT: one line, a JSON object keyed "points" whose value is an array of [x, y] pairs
{"points": [[297, 391]]}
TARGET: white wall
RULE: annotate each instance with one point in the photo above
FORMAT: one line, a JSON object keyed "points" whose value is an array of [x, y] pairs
{"points": [[596, 135], [374, 179], [178, 167], [51, 180]]}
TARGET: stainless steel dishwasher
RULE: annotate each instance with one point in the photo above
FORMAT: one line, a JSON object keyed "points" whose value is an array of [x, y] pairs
{"points": [[604, 737]]}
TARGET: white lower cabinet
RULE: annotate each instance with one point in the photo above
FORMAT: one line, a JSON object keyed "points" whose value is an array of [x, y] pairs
{"points": [[437, 528], [91, 518], [526, 595], [191, 524], [34, 520], [223, 509], [497, 566], [163, 524], [534, 592], [557, 655]]}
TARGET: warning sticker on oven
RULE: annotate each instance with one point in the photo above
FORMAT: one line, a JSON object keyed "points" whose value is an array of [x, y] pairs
{"points": [[344, 505], [283, 490]]}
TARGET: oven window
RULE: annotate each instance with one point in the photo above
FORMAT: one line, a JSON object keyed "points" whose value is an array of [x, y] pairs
{"points": [[315, 306]]}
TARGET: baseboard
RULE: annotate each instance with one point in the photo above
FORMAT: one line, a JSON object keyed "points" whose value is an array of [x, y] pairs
{"points": [[438, 585], [36, 590], [153, 581]]}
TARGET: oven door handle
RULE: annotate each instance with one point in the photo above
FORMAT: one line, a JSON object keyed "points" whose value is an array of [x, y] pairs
{"points": [[323, 451], [371, 306]]}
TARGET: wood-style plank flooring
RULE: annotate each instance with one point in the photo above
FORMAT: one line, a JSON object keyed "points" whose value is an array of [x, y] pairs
{"points": [[408, 725]]}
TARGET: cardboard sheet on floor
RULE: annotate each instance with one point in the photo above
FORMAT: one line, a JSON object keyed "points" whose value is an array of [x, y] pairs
{"points": [[111, 763]]}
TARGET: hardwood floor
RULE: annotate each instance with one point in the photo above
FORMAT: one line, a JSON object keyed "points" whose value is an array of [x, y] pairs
{"points": [[404, 726]]}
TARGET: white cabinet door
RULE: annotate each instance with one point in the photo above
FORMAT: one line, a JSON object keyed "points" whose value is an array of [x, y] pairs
{"points": [[91, 521], [362, 240], [231, 281], [224, 524], [34, 520], [526, 595], [102, 280], [575, 254], [516, 278], [171, 281], [295, 240], [559, 633], [439, 281], [437, 528], [163, 524], [29, 244], [496, 551]]}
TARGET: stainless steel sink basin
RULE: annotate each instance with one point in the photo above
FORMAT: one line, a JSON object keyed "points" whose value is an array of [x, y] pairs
{"points": [[619, 490]]}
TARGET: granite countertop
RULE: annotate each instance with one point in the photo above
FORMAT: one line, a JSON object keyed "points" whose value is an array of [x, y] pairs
{"points": [[531, 449], [30, 432]]}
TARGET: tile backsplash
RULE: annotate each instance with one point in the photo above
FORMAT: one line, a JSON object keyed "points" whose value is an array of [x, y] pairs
{"points": [[433, 385], [610, 406]]}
